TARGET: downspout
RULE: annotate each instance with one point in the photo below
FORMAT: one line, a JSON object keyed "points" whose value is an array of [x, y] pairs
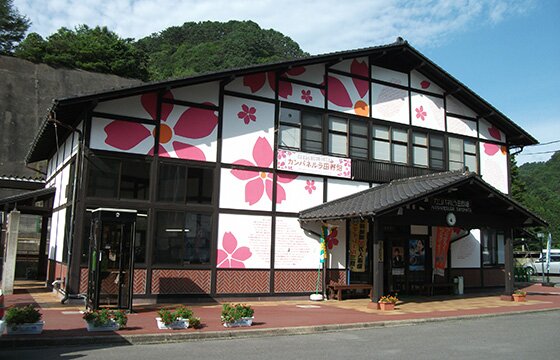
{"points": [[77, 175]]}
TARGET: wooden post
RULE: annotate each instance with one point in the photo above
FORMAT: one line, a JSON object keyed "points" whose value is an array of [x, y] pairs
{"points": [[43, 257], [9, 268], [508, 258], [377, 239]]}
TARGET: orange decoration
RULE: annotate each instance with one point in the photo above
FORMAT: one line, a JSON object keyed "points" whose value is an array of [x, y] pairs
{"points": [[165, 133], [361, 108]]}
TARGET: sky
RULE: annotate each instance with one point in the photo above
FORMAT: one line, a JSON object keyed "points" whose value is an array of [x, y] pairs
{"points": [[506, 51]]}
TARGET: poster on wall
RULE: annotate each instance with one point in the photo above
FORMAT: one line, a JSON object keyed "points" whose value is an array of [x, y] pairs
{"points": [[293, 248], [358, 246], [416, 255]]}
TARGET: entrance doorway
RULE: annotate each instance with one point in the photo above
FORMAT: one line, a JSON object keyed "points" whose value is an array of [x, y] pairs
{"points": [[111, 261], [409, 264]]}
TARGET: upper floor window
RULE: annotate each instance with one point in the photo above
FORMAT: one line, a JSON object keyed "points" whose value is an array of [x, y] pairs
{"points": [[185, 184], [389, 144], [301, 130], [462, 153], [118, 178], [427, 150]]}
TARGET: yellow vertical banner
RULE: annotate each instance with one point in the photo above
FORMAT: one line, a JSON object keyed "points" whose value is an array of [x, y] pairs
{"points": [[358, 245]]}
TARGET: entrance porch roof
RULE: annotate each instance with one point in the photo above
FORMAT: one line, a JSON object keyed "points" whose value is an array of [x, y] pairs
{"points": [[427, 200]]}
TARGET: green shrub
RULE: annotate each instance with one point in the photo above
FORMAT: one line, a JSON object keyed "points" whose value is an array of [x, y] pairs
{"points": [[17, 315], [233, 312]]}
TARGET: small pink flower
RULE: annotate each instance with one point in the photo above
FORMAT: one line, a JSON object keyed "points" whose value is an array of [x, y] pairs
{"points": [[420, 113], [310, 186], [306, 96], [232, 256], [331, 239], [247, 114]]}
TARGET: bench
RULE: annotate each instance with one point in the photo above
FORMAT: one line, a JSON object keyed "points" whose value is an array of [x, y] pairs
{"points": [[430, 288], [335, 290]]}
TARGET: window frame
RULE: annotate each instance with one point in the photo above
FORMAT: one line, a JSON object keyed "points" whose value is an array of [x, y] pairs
{"points": [[303, 127]]}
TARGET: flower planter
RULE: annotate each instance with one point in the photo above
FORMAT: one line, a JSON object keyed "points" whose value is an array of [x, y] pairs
{"points": [[111, 326], [518, 298], [247, 321], [175, 325], [25, 329], [387, 306]]}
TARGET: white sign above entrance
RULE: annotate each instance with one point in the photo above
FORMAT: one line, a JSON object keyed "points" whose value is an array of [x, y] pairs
{"points": [[314, 164]]}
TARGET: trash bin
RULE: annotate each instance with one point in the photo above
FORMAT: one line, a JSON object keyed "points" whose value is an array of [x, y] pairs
{"points": [[458, 283]]}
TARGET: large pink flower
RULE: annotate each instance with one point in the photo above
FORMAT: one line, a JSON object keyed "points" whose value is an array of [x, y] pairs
{"points": [[338, 94], [247, 114], [193, 123], [310, 187], [232, 256], [258, 181], [257, 81]]}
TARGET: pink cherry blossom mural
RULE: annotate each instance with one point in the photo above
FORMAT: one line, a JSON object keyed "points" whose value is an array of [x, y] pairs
{"points": [[340, 95], [495, 133], [247, 113], [306, 96], [193, 123], [420, 113], [258, 81], [492, 149], [259, 181], [332, 238], [310, 186], [232, 256]]}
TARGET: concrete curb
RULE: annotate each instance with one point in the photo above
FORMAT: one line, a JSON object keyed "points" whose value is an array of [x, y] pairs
{"points": [[116, 339]]}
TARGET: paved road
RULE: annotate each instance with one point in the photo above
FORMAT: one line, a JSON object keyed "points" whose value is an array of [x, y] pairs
{"points": [[530, 336]]}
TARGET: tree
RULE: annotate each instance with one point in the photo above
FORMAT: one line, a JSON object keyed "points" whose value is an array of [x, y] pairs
{"points": [[196, 48], [12, 27], [93, 49]]}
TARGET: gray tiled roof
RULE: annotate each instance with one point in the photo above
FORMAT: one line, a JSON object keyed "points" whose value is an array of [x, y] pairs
{"points": [[388, 196]]}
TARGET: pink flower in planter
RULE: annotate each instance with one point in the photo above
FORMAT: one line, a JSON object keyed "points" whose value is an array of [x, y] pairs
{"points": [[420, 113], [306, 96], [331, 239], [247, 114], [258, 181], [310, 187], [193, 123], [232, 256]]}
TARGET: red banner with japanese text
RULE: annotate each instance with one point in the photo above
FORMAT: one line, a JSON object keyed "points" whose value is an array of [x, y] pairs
{"points": [[442, 241]]}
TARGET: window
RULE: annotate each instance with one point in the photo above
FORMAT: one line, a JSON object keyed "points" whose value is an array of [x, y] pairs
{"points": [[390, 144], [399, 146], [301, 130], [338, 136], [182, 238], [462, 153], [492, 247], [380, 149], [180, 184], [420, 149], [358, 139], [427, 150], [118, 179], [436, 152]]}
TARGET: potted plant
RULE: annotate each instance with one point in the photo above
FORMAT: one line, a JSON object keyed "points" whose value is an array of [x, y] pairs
{"points": [[234, 315], [22, 320], [105, 319], [387, 302], [180, 318], [519, 295]]}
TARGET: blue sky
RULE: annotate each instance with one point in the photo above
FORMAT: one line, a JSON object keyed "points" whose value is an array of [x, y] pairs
{"points": [[507, 51]]}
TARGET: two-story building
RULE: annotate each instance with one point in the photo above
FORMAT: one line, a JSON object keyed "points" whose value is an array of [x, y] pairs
{"points": [[198, 187]]}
